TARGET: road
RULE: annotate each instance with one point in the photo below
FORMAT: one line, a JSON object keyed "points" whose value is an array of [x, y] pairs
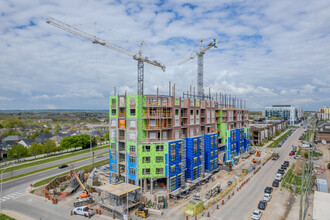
{"points": [[56, 162], [16, 199], [240, 206]]}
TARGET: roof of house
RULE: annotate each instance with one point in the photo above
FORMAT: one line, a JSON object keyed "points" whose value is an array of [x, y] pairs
{"points": [[323, 127], [13, 138], [28, 141], [43, 138]]}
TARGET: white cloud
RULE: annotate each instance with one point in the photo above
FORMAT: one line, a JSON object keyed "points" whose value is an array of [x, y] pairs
{"points": [[40, 97], [269, 51], [5, 98]]}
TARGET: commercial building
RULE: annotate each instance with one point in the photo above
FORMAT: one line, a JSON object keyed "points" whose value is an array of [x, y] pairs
{"points": [[166, 142], [323, 113], [293, 115]]}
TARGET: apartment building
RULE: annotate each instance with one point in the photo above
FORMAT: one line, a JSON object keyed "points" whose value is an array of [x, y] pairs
{"points": [[166, 141]]}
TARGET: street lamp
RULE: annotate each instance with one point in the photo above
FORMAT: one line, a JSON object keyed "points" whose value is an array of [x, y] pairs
{"points": [[1, 189]]}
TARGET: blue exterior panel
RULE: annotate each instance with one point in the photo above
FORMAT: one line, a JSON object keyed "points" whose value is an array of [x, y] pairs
{"points": [[173, 148], [191, 155], [133, 166], [211, 152]]}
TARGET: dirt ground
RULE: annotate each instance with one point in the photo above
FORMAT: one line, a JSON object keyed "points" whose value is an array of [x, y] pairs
{"points": [[285, 205], [324, 174]]}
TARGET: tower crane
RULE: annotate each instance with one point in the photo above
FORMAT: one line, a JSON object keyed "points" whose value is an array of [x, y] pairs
{"points": [[200, 68], [96, 40]]}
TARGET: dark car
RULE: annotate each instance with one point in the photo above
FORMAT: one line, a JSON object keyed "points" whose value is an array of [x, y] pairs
{"points": [[269, 189], [276, 183], [281, 171], [283, 167], [62, 166], [286, 162], [262, 205]]}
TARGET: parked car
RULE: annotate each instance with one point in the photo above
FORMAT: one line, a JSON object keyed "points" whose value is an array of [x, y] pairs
{"points": [[297, 157], [291, 153], [62, 166], [262, 205], [283, 166], [267, 197], [256, 214], [276, 183], [281, 171], [286, 162], [278, 176], [83, 210], [268, 189], [99, 156]]}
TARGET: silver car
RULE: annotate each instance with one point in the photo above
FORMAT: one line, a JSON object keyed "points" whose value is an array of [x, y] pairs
{"points": [[256, 214]]}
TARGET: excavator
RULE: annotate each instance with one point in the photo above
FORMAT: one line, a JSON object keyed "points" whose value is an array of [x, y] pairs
{"points": [[258, 152], [84, 197]]}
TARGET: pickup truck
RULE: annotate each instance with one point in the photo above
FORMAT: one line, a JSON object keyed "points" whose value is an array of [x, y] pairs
{"points": [[83, 210], [275, 155]]}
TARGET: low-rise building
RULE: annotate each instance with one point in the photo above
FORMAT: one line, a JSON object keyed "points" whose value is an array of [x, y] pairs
{"points": [[323, 131]]}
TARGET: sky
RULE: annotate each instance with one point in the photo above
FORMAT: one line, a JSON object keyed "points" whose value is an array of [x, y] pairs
{"points": [[269, 52]]}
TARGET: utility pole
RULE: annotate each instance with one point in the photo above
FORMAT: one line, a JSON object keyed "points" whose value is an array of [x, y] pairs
{"points": [[301, 191]]}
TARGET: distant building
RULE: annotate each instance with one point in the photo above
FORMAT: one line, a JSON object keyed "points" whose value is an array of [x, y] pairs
{"points": [[323, 131], [323, 113], [293, 115]]}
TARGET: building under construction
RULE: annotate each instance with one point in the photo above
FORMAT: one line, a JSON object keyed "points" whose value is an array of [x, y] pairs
{"points": [[168, 141]]}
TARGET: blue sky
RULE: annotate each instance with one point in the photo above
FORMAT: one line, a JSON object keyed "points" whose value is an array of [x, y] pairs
{"points": [[270, 52]]}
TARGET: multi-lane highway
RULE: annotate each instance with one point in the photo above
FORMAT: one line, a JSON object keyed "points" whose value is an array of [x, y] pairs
{"points": [[56, 162], [18, 200]]}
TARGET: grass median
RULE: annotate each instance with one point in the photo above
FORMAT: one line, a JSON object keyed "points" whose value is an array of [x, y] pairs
{"points": [[278, 140], [35, 163], [48, 168], [47, 180]]}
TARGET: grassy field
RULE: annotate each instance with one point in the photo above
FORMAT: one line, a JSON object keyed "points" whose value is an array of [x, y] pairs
{"points": [[5, 217], [45, 181], [291, 180], [278, 140], [47, 168], [38, 162]]}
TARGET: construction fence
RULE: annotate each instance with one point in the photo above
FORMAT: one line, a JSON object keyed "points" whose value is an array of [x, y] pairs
{"points": [[193, 208]]}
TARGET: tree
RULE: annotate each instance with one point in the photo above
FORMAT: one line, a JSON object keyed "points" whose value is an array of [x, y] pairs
{"points": [[47, 131], [18, 151], [66, 143], [36, 133], [11, 132], [57, 129], [49, 146], [36, 149], [107, 136]]}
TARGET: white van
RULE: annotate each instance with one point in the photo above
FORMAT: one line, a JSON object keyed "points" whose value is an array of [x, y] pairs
{"points": [[278, 176]]}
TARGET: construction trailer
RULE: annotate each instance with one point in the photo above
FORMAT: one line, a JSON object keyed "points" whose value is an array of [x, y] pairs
{"points": [[115, 198]]}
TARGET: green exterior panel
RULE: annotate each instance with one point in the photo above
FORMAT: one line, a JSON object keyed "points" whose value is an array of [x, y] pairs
{"points": [[152, 165], [223, 132], [110, 102]]}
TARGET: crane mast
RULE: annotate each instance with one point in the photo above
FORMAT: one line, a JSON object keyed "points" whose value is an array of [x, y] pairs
{"points": [[200, 64], [96, 40]]}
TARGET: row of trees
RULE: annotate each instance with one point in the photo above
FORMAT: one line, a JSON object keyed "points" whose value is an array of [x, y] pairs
{"points": [[19, 151], [75, 141]]}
